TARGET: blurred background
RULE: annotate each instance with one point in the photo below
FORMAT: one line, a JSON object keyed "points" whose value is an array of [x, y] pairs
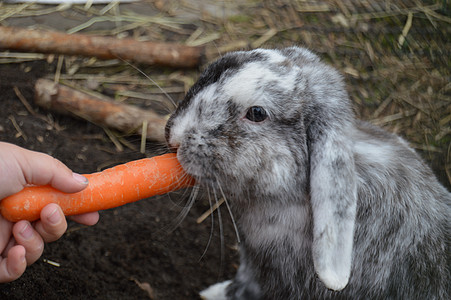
{"points": [[395, 56]]}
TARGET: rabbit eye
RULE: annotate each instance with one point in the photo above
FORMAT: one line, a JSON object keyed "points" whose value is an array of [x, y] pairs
{"points": [[256, 114]]}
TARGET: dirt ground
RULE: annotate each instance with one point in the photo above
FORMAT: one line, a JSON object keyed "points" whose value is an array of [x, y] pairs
{"points": [[137, 251]]}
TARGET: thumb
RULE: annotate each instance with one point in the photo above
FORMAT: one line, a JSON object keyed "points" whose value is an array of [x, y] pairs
{"points": [[20, 167], [42, 169]]}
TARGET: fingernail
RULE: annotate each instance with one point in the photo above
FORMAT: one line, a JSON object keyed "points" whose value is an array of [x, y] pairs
{"points": [[27, 232], [54, 217], [80, 178]]}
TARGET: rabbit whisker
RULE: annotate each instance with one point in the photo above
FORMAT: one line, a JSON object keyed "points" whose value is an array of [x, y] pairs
{"points": [[231, 214], [212, 209], [182, 215], [153, 81], [221, 233]]}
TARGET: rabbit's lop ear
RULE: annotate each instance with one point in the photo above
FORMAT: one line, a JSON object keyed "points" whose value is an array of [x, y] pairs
{"points": [[329, 121], [333, 199]]}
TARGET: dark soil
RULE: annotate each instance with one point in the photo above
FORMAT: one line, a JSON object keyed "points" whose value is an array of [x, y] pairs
{"points": [[133, 244]]}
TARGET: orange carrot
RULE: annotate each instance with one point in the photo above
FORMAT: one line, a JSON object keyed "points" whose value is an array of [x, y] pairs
{"points": [[110, 188]]}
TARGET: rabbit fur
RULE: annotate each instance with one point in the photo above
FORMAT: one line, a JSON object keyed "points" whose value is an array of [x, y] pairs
{"points": [[327, 206]]}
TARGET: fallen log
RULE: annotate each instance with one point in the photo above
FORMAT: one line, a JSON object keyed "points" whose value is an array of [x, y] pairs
{"points": [[152, 53], [123, 117]]}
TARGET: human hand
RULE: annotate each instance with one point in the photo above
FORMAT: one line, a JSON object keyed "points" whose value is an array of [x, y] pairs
{"points": [[22, 243]]}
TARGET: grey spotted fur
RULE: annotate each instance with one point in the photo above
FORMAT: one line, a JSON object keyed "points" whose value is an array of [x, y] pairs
{"points": [[327, 206]]}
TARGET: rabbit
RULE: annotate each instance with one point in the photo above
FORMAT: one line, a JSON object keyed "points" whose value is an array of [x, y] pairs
{"points": [[326, 206]]}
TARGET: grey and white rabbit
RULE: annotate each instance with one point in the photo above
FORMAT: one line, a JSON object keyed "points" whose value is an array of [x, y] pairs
{"points": [[327, 207]]}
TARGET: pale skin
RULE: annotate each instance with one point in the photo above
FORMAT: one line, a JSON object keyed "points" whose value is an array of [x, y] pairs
{"points": [[22, 243]]}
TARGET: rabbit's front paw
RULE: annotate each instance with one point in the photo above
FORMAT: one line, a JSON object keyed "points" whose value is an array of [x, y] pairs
{"points": [[217, 291]]}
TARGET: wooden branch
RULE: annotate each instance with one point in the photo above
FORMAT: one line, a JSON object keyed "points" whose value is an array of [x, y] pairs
{"points": [[108, 113], [164, 54]]}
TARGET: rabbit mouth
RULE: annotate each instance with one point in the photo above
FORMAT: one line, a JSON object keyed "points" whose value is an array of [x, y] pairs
{"points": [[203, 172]]}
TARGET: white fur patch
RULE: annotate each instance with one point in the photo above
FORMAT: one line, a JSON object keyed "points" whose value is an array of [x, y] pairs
{"points": [[333, 230], [373, 152], [189, 119], [274, 57], [216, 291], [332, 256], [334, 281], [247, 86]]}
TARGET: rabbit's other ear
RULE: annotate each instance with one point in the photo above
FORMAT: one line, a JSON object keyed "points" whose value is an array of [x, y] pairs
{"points": [[333, 198]]}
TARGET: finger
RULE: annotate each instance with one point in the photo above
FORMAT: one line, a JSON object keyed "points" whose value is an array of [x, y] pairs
{"points": [[52, 224], [42, 169], [26, 236], [86, 219], [14, 265], [19, 167]]}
